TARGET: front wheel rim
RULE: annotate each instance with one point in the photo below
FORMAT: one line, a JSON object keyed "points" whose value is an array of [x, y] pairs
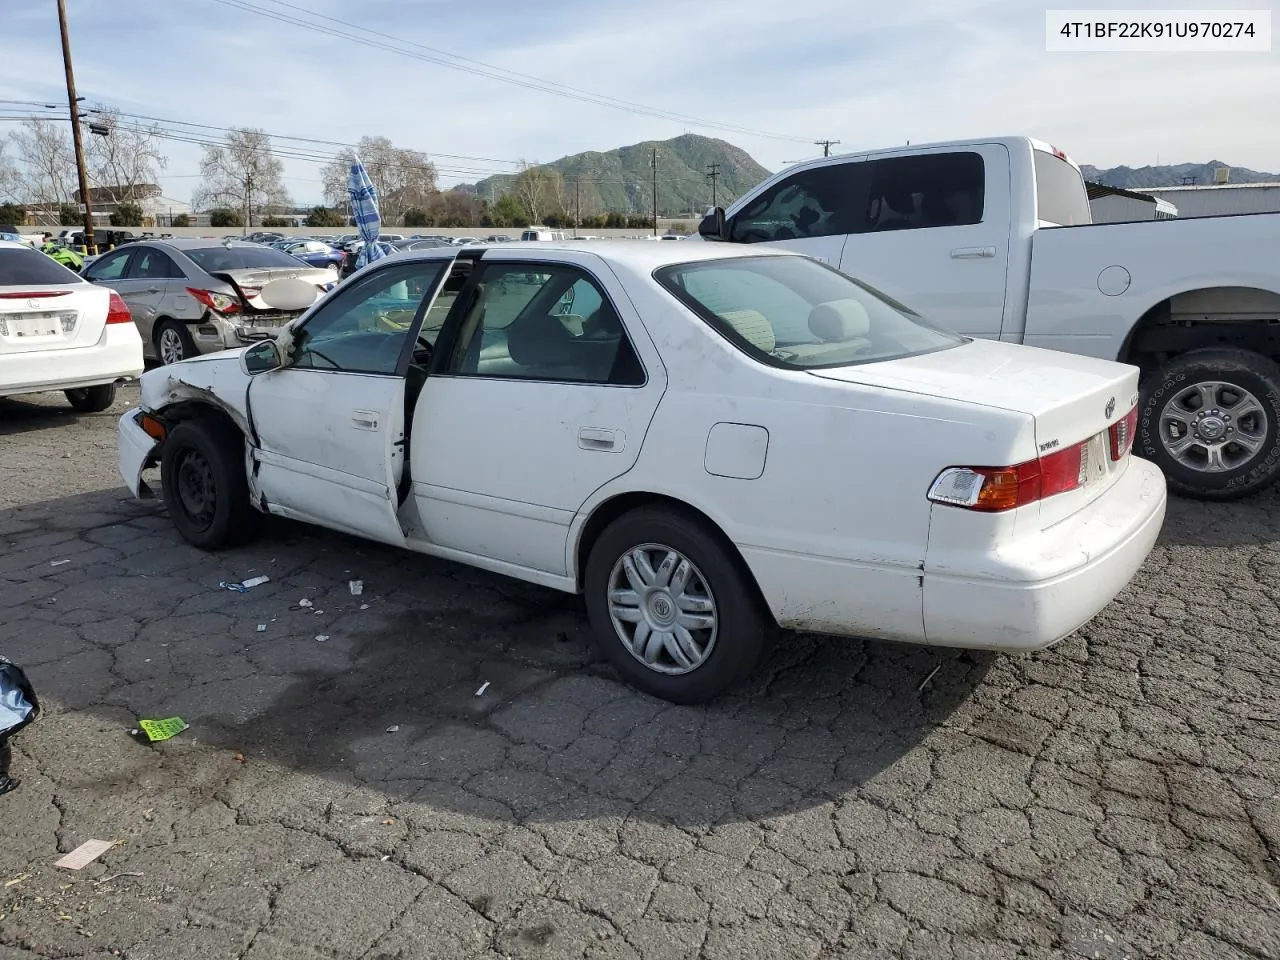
{"points": [[662, 609], [196, 487], [171, 348], [1213, 427]]}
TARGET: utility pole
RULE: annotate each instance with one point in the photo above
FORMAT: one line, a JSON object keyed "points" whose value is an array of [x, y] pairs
{"points": [[75, 129], [713, 171], [655, 191], [248, 204], [577, 206], [826, 146]]}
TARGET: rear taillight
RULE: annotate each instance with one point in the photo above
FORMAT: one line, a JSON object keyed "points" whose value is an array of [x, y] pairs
{"points": [[1006, 488], [216, 301], [1121, 434], [117, 312]]}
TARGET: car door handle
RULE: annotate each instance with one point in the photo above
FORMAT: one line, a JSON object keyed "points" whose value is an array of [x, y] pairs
{"points": [[153, 289], [365, 419], [597, 438], [973, 253]]}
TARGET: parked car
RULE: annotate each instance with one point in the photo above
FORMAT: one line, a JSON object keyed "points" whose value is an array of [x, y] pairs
{"points": [[543, 235], [994, 238], [423, 244], [316, 253], [265, 237], [59, 332], [707, 441], [190, 297], [103, 237]]}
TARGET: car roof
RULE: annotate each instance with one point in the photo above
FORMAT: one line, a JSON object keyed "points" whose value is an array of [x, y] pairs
{"points": [[194, 243], [633, 253]]}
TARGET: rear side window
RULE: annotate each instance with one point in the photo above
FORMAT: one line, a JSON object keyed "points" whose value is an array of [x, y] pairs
{"points": [[1061, 196], [151, 264], [23, 267], [926, 190]]}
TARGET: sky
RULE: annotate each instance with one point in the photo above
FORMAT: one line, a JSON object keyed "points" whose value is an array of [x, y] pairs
{"points": [[783, 74]]}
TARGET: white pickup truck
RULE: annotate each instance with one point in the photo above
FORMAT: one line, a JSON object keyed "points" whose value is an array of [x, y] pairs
{"points": [[994, 239]]}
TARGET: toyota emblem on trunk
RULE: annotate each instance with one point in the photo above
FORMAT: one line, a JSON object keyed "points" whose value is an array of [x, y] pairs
{"points": [[1111, 408]]}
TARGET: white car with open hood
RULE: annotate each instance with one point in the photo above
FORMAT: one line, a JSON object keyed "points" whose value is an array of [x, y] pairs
{"points": [[707, 441], [59, 332]]}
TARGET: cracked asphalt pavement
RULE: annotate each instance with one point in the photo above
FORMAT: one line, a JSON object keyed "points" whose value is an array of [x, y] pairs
{"points": [[1117, 796]]}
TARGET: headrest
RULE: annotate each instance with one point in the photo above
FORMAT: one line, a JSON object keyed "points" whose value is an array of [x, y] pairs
{"points": [[538, 341], [752, 326], [839, 320]]}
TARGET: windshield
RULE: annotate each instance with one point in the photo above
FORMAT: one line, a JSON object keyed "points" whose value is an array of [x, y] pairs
{"points": [[23, 267], [213, 259], [796, 313]]}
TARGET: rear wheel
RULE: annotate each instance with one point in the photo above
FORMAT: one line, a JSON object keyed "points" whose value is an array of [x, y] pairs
{"points": [[1211, 420], [173, 342], [672, 607], [205, 488], [92, 399]]}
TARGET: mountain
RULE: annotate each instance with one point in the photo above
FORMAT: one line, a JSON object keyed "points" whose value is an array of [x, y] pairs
{"points": [[622, 180], [1175, 175]]}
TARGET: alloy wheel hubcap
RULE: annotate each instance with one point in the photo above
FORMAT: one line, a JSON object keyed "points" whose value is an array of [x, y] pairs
{"points": [[1213, 426], [170, 345], [662, 609]]}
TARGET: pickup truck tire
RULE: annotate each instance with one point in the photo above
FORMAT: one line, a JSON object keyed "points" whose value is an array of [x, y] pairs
{"points": [[687, 631], [92, 399], [1210, 419], [205, 488]]}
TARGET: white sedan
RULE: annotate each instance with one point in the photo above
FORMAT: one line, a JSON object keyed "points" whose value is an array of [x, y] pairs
{"points": [[60, 332], [707, 441]]}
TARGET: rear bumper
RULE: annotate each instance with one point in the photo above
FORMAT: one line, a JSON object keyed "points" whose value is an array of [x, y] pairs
{"points": [[116, 356], [1051, 584], [135, 451]]}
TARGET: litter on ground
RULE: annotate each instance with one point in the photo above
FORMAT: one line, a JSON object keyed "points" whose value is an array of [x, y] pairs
{"points": [[304, 602], [58, 563], [321, 637], [483, 687], [255, 582], [85, 854], [356, 587], [394, 728], [158, 730], [262, 628]]}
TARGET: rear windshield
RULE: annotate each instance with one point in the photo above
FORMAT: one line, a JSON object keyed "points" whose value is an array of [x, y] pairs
{"points": [[797, 313], [1061, 197], [214, 259], [24, 267]]}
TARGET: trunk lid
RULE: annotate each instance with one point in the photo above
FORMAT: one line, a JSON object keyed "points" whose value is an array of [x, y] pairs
{"points": [[1073, 399], [249, 281], [51, 316]]}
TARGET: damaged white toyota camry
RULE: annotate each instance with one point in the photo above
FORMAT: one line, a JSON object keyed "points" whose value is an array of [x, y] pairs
{"points": [[709, 442]]}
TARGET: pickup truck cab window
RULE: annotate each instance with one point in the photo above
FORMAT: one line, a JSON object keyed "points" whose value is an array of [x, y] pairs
{"points": [[818, 202], [923, 191], [1061, 197]]}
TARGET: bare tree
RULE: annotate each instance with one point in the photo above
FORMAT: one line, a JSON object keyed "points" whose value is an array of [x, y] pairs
{"points": [[539, 189], [125, 163], [241, 174], [47, 166], [405, 179], [10, 178]]}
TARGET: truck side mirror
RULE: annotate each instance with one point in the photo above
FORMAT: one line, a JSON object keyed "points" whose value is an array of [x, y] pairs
{"points": [[712, 225]]}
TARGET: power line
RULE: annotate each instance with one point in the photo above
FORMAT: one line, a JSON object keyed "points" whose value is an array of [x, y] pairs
{"points": [[480, 68]]}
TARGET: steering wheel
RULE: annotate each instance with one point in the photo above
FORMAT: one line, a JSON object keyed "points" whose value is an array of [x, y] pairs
{"points": [[423, 351]]}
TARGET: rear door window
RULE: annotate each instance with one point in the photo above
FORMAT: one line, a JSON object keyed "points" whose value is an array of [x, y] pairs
{"points": [[926, 190], [153, 265], [1061, 196]]}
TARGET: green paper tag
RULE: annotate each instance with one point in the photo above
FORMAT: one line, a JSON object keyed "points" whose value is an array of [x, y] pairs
{"points": [[157, 730]]}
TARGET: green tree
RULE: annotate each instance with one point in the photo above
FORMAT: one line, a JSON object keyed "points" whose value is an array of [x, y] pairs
{"points": [[508, 211], [325, 217], [69, 215], [616, 221], [276, 222], [222, 217], [127, 215], [417, 217], [181, 220], [12, 213]]}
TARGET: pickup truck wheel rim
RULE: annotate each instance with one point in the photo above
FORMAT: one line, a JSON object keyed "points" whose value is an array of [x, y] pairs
{"points": [[171, 348], [196, 487], [662, 609], [1213, 426]]}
